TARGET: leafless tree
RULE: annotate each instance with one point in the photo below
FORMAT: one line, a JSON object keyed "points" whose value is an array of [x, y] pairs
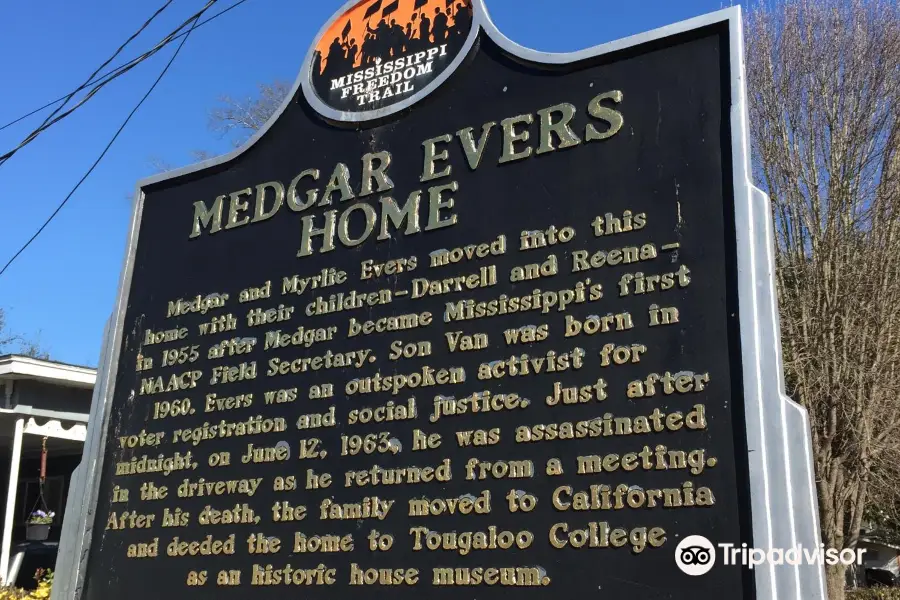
{"points": [[240, 119], [159, 165], [10, 342], [6, 338], [34, 349], [824, 84], [234, 119], [201, 155]]}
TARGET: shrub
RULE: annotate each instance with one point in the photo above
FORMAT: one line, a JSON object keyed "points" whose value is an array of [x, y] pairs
{"points": [[45, 584], [13, 593], [876, 593]]}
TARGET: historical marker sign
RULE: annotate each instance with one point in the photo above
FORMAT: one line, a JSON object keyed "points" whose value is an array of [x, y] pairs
{"points": [[513, 331]]}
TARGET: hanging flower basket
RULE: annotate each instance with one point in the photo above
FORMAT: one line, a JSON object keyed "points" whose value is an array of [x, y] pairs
{"points": [[37, 533], [38, 527]]}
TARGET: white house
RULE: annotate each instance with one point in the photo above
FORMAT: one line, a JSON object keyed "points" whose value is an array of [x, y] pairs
{"points": [[44, 407], [881, 556]]}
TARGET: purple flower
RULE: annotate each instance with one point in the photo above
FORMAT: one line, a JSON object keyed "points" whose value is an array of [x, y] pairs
{"points": [[41, 517]]}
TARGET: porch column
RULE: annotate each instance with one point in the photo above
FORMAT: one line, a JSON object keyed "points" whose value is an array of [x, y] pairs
{"points": [[9, 517]]}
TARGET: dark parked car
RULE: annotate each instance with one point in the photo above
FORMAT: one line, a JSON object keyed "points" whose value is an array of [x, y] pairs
{"points": [[881, 577]]}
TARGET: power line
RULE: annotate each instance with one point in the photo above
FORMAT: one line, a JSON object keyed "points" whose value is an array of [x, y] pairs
{"points": [[109, 60], [87, 82], [109, 145], [50, 122], [115, 70]]}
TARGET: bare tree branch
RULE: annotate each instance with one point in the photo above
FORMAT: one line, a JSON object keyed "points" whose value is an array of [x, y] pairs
{"points": [[240, 119], [6, 338], [160, 165], [236, 120], [12, 343], [824, 84]]}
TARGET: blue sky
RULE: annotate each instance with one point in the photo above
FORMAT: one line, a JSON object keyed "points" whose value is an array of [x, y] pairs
{"points": [[62, 289]]}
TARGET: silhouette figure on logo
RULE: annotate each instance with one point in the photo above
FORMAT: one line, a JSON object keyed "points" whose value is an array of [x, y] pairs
{"points": [[317, 62], [397, 38], [462, 19], [424, 31], [408, 34], [336, 57], [440, 26], [352, 51], [390, 39], [381, 43]]}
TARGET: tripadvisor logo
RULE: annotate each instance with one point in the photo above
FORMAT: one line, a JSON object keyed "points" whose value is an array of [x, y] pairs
{"points": [[379, 53]]}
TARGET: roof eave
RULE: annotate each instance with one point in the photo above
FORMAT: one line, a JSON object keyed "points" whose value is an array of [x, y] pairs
{"points": [[24, 367]]}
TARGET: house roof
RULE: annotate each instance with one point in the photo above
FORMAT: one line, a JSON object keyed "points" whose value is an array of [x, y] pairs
{"points": [[878, 541], [15, 366]]}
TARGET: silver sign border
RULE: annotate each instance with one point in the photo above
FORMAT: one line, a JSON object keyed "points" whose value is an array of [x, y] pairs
{"points": [[782, 486]]}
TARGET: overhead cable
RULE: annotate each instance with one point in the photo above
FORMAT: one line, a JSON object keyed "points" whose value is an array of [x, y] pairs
{"points": [[109, 145], [115, 70], [49, 122]]}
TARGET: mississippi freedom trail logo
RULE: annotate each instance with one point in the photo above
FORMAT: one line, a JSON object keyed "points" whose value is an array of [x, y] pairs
{"points": [[379, 53]]}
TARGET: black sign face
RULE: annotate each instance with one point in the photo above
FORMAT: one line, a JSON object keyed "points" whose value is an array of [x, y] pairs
{"points": [[488, 346], [377, 54]]}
